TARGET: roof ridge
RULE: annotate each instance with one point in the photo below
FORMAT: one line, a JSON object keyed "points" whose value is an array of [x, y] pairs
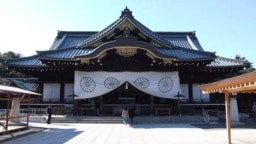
{"points": [[152, 34], [59, 43], [191, 43], [99, 33], [126, 15]]}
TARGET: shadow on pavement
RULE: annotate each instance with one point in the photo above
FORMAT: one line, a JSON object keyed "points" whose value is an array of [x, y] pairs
{"points": [[223, 126]]}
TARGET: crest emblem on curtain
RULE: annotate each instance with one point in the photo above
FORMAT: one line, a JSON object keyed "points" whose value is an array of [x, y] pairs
{"points": [[93, 84]]}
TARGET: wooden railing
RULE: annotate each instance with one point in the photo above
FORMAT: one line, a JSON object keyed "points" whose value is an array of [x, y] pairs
{"points": [[70, 100], [88, 111], [34, 111], [162, 111]]}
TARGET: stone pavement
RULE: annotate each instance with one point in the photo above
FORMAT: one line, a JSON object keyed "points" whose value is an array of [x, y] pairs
{"points": [[77, 133]]}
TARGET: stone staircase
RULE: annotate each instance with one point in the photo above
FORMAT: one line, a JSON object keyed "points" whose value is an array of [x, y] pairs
{"points": [[138, 119], [86, 119]]}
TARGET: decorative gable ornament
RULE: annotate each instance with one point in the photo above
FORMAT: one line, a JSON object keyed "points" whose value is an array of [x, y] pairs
{"points": [[126, 51]]}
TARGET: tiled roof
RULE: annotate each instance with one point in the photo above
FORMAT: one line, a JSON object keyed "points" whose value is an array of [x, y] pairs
{"points": [[102, 33], [178, 45], [152, 34], [71, 53], [67, 39], [19, 84], [186, 54], [67, 53], [182, 54], [178, 53], [182, 39], [225, 62], [24, 83], [31, 61], [72, 42]]}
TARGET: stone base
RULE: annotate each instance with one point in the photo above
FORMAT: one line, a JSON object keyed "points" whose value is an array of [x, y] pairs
{"points": [[233, 123]]}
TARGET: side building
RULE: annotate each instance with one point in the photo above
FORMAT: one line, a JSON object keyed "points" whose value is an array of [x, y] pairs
{"points": [[126, 63]]}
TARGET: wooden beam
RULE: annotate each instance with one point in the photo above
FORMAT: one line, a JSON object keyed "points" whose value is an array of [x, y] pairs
{"points": [[7, 112], [244, 80], [13, 117], [244, 89], [5, 99]]}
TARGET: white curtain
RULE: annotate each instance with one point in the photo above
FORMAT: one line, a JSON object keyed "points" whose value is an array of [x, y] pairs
{"points": [[93, 84]]}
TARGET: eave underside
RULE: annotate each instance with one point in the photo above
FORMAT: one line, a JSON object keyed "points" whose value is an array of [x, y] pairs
{"points": [[64, 70]]}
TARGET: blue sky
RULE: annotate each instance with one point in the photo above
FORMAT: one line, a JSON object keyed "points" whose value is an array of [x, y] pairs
{"points": [[227, 27]]}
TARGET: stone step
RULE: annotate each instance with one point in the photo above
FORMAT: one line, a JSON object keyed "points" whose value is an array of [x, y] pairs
{"points": [[138, 119], [87, 120]]}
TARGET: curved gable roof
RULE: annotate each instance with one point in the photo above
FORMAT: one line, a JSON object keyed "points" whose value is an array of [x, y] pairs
{"points": [[125, 17], [164, 52]]}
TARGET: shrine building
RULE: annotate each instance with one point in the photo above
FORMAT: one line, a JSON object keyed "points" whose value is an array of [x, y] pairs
{"points": [[125, 63]]}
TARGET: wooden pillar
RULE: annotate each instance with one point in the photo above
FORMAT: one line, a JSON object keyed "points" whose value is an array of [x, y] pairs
{"points": [[28, 109], [190, 91], [15, 109], [62, 89], [8, 111], [190, 87], [152, 104], [100, 103], [227, 106]]}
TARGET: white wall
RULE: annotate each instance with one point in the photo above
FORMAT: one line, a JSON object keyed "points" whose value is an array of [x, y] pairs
{"points": [[51, 91], [197, 94], [69, 89], [184, 90]]}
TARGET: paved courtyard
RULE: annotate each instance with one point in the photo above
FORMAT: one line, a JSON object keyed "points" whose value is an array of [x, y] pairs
{"points": [[73, 133]]}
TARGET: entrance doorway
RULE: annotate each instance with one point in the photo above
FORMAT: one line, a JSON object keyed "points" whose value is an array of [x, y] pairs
{"points": [[113, 102]]}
